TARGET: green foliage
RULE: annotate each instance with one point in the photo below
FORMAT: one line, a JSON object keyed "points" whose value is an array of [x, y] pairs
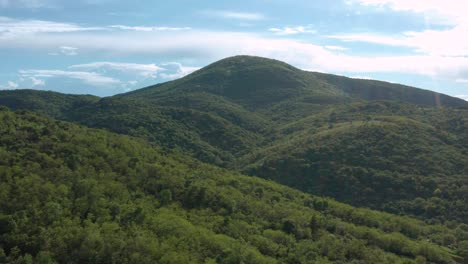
{"points": [[48, 103], [373, 144], [69, 194], [400, 164]]}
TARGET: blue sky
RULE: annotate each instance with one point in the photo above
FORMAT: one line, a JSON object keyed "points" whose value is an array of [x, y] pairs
{"points": [[104, 47]]}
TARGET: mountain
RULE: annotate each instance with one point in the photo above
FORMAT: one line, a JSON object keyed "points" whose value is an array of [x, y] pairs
{"points": [[367, 143], [71, 194], [378, 90], [45, 102], [252, 82], [256, 82], [376, 158]]}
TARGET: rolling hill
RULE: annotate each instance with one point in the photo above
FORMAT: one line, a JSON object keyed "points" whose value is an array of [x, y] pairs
{"points": [[368, 143], [71, 194]]}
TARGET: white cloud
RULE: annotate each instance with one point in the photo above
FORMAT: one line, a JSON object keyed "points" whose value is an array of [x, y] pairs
{"points": [[337, 48], [447, 42], [371, 38], [235, 15], [87, 77], [12, 27], [361, 77], [99, 74], [208, 45], [170, 70], [12, 85], [455, 10], [452, 42], [145, 70], [175, 70], [432, 66], [23, 82], [36, 82], [292, 30], [68, 51], [149, 29]]}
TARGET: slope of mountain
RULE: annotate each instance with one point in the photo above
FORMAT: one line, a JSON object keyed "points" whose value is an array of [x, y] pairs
{"points": [[377, 90], [71, 194], [254, 83], [213, 134], [368, 143], [45, 102], [375, 158]]}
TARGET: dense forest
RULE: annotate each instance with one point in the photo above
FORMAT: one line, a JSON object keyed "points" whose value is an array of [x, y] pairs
{"points": [[71, 194], [372, 155], [368, 143], [172, 173]]}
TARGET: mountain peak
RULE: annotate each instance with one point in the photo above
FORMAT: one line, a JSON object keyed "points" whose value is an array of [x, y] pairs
{"points": [[257, 82], [248, 80], [248, 60]]}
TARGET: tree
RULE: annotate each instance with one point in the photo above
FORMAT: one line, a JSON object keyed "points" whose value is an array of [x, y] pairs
{"points": [[165, 196]]}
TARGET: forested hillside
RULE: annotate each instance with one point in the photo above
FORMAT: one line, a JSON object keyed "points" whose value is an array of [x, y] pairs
{"points": [[70, 194], [373, 144], [386, 156], [53, 104]]}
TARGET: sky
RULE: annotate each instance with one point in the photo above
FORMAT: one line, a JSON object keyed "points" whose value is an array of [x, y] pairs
{"points": [[105, 47]]}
